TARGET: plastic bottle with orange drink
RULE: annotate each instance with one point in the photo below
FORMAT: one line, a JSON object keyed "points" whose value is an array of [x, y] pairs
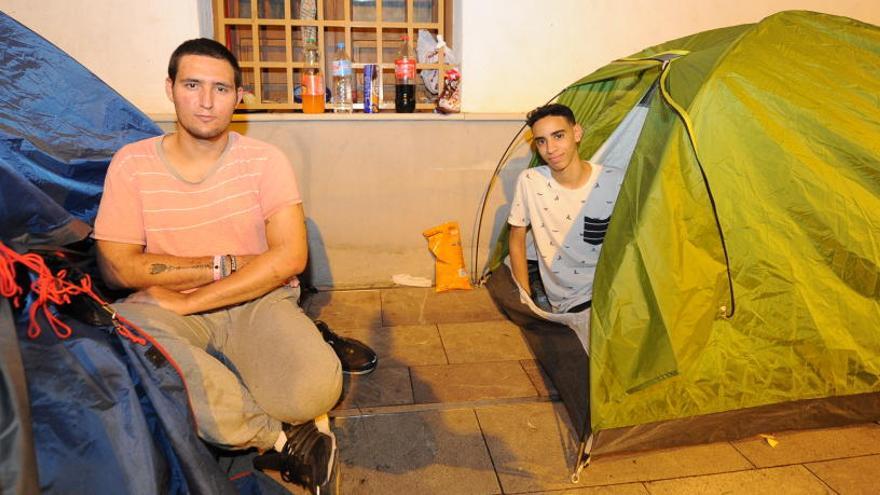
{"points": [[312, 80]]}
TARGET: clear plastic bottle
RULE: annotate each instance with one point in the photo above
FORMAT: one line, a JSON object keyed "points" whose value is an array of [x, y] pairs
{"points": [[312, 80], [405, 77], [342, 81]]}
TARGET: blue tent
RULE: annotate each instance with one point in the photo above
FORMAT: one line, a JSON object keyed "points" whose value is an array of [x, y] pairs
{"points": [[94, 412]]}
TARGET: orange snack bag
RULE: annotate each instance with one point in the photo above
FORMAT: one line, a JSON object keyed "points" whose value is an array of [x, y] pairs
{"points": [[444, 241]]}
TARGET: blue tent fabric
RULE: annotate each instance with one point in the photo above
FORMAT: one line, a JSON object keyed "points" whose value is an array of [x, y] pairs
{"points": [[59, 127], [99, 413], [111, 416]]}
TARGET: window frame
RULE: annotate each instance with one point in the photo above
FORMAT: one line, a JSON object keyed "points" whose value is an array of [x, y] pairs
{"points": [[256, 66]]}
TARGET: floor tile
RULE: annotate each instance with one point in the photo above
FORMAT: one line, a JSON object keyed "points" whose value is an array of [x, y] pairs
{"points": [[411, 345], [386, 386], [624, 489], [768, 481], [798, 447], [344, 309], [532, 446], [416, 306], [539, 453], [433, 452], [498, 340], [694, 460], [292, 488], [539, 378], [471, 382], [855, 475]]}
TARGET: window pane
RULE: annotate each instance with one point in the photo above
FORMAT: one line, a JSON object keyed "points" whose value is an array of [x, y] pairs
{"points": [[270, 9], [363, 10], [334, 10], [274, 82], [304, 9], [240, 41], [388, 82], [391, 43], [238, 9], [299, 35], [332, 36], [394, 10], [425, 10], [422, 93], [363, 49], [273, 46], [247, 83]]}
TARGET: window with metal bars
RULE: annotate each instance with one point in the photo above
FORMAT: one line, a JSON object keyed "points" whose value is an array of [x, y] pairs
{"points": [[268, 38]]}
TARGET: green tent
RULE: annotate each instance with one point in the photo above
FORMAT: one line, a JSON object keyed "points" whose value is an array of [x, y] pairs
{"points": [[738, 287]]}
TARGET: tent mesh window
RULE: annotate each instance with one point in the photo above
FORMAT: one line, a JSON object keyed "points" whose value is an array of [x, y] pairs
{"points": [[268, 38]]}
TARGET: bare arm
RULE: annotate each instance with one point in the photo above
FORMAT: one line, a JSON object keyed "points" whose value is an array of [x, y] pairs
{"points": [[286, 257], [127, 266], [518, 264]]}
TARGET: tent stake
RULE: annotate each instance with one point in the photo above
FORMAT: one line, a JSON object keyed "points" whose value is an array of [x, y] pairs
{"points": [[583, 458]]}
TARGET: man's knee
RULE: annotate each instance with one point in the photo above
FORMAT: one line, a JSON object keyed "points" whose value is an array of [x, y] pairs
{"points": [[314, 392]]}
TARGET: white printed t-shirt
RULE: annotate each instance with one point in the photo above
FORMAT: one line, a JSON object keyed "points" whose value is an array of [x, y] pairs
{"points": [[568, 226]]}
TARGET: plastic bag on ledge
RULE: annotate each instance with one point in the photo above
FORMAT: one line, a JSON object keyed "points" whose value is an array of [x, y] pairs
{"points": [[444, 241], [427, 52]]}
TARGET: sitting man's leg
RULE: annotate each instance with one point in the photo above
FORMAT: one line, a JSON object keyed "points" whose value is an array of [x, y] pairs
{"points": [[294, 376], [226, 414], [282, 359]]}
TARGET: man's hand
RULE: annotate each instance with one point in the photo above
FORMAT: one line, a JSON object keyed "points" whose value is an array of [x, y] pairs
{"points": [[166, 298]]}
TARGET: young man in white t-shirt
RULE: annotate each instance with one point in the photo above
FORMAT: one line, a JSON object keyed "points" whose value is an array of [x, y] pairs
{"points": [[567, 204]]}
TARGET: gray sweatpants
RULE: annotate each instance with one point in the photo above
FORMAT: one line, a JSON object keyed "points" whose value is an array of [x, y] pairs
{"points": [[248, 367]]}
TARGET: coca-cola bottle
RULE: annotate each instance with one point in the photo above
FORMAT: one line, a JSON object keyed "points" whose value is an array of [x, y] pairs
{"points": [[405, 77]]}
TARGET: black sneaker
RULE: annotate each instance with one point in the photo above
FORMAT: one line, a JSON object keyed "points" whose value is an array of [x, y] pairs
{"points": [[309, 459], [356, 357]]}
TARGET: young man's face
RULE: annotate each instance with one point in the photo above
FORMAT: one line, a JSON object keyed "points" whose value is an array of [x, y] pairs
{"points": [[557, 141], [204, 95]]}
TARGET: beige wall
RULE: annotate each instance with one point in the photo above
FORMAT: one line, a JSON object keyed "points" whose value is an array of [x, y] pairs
{"points": [[124, 42], [510, 64], [533, 48]]}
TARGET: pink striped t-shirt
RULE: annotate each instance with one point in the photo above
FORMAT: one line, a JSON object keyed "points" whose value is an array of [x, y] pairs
{"points": [[147, 202]]}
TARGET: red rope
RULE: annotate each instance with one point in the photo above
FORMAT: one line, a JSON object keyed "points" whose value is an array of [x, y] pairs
{"points": [[51, 288]]}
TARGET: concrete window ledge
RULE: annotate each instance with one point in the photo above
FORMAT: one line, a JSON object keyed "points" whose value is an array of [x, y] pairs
{"points": [[358, 117]]}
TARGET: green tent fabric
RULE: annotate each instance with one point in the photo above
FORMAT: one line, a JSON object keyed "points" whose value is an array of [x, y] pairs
{"points": [[738, 286]]}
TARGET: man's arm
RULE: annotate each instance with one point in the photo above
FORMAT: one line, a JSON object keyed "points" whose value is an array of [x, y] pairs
{"points": [[126, 265], [517, 246], [286, 257]]}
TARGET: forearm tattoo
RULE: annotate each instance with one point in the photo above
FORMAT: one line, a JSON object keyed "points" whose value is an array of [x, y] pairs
{"points": [[157, 268]]}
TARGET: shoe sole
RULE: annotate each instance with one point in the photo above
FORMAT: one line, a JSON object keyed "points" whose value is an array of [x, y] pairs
{"points": [[360, 372], [323, 425]]}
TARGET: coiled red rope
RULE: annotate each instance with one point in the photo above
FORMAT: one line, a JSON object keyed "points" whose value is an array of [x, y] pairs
{"points": [[52, 288]]}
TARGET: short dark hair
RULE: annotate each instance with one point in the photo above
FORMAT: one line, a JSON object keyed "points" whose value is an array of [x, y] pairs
{"points": [[208, 48], [553, 109]]}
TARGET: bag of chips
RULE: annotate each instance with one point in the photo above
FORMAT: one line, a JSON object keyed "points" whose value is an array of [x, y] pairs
{"points": [[444, 241]]}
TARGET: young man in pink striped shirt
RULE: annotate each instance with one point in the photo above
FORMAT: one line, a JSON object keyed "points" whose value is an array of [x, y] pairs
{"points": [[208, 227]]}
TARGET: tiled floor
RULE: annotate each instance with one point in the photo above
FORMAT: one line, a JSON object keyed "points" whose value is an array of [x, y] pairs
{"points": [[458, 405]]}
